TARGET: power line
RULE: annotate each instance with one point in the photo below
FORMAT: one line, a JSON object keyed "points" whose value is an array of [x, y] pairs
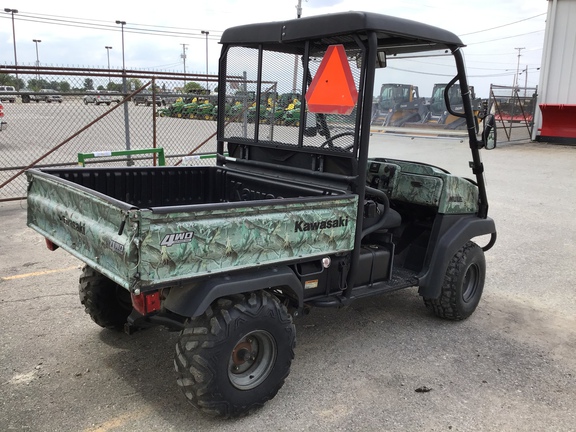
{"points": [[505, 37], [105, 22], [419, 72], [504, 25], [131, 28]]}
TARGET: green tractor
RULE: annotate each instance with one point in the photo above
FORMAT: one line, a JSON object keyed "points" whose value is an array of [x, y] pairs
{"points": [[292, 114], [204, 110], [172, 109]]}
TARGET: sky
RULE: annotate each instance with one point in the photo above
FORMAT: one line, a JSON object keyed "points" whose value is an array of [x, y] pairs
{"points": [[74, 34]]}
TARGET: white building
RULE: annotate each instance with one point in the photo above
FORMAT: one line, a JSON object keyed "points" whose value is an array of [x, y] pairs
{"points": [[557, 85]]}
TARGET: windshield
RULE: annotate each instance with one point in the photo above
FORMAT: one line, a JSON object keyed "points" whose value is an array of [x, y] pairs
{"points": [[269, 96], [408, 96]]}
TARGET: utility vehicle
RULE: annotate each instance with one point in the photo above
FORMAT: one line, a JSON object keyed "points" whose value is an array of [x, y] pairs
{"points": [[287, 219]]}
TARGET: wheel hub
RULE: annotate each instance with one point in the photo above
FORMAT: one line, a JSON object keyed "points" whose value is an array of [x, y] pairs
{"points": [[470, 283], [252, 360]]}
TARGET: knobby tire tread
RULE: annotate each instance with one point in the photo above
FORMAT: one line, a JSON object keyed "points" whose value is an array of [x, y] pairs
{"points": [[447, 305], [98, 296], [196, 360]]}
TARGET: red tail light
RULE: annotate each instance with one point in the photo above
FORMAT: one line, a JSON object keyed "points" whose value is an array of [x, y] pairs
{"points": [[51, 246], [146, 303]]}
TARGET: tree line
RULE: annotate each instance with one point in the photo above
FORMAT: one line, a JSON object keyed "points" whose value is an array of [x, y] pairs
{"points": [[64, 86]]}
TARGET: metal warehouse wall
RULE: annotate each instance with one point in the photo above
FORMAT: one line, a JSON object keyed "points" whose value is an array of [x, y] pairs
{"points": [[558, 69]]}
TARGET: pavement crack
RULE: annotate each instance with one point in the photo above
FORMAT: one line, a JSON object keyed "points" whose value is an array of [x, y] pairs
{"points": [[37, 297]]}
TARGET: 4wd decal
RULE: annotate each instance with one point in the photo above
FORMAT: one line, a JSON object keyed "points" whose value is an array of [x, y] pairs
{"points": [[177, 238], [116, 247], [300, 226]]}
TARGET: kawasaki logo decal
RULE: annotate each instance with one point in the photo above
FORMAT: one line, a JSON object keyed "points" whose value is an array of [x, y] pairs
{"points": [[300, 226], [177, 238], [77, 226]]}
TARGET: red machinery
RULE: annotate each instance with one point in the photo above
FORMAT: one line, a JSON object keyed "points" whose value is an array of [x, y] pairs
{"points": [[558, 123]]}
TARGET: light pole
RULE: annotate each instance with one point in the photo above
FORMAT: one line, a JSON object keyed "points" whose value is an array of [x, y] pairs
{"points": [[14, 11], [122, 23], [130, 162], [108, 48], [204, 32], [183, 55], [37, 41]]}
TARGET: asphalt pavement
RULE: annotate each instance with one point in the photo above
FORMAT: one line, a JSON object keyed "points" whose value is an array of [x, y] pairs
{"points": [[382, 364]]}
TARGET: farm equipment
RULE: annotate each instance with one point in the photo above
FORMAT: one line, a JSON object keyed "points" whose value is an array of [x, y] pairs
{"points": [[397, 104], [438, 113]]}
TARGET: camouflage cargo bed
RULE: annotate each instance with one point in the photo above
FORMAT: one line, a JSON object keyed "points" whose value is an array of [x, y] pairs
{"points": [[159, 226]]}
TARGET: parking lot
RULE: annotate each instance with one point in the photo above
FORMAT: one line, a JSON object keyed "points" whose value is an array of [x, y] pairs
{"points": [[510, 367], [35, 130]]}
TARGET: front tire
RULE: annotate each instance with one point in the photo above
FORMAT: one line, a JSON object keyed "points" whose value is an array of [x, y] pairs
{"points": [[463, 284], [236, 356], [107, 303]]}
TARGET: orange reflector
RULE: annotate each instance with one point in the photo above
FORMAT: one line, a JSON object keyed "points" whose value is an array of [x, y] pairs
{"points": [[333, 90], [146, 303]]}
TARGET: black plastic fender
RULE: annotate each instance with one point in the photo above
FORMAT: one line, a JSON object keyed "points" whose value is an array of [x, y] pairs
{"points": [[449, 234], [193, 299]]}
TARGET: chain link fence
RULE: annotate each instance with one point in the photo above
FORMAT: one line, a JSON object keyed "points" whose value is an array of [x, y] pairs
{"points": [[514, 109], [53, 114]]}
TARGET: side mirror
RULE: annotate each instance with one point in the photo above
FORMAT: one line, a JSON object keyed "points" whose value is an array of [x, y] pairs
{"points": [[489, 132]]}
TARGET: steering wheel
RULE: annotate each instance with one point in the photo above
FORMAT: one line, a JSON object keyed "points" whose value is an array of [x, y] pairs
{"points": [[383, 199], [329, 141], [380, 196]]}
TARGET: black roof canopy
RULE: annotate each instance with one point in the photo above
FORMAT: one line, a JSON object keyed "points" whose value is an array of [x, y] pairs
{"points": [[397, 34]]}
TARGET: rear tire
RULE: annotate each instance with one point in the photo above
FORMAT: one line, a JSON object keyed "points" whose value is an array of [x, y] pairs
{"points": [[236, 356], [107, 303], [463, 284]]}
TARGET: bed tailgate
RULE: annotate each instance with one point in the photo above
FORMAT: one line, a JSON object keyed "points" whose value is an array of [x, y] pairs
{"points": [[98, 230]]}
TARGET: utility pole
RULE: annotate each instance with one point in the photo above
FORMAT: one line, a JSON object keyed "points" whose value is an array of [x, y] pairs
{"points": [[205, 32], [108, 48], [129, 162], [183, 57], [295, 79], [526, 81], [13, 11], [299, 9], [517, 67]]}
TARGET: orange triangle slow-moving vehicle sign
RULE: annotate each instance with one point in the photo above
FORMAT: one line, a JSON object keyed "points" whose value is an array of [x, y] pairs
{"points": [[333, 90]]}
